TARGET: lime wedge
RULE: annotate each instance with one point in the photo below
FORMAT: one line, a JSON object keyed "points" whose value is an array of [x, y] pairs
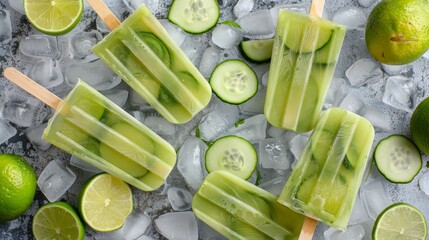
{"points": [[54, 17], [400, 221], [105, 202], [57, 220]]}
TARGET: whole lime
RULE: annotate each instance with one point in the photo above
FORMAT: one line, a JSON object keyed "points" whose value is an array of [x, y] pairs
{"points": [[397, 31], [419, 126], [17, 186]]}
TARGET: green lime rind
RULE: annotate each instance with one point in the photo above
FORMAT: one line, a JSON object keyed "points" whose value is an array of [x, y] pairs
{"points": [[105, 202], [54, 17], [17, 186], [57, 219], [403, 170], [400, 221], [418, 126]]}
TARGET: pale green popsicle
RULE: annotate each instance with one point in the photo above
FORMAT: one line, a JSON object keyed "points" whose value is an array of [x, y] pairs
{"points": [[305, 52], [94, 129], [142, 53], [240, 210], [325, 181]]}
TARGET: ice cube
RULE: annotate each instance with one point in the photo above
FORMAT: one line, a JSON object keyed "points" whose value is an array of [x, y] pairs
{"points": [[145, 237], [136, 100], [255, 105], [366, 3], [243, 7], [118, 96], [300, 7], [274, 186], [159, 125], [6, 131], [95, 73], [209, 61], [297, 145], [190, 161], [216, 123], [364, 71], [5, 26], [177, 225], [226, 36], [426, 55], [380, 121], [17, 5], [21, 109], [275, 132], [101, 26], [55, 180], [355, 232], [174, 31], [375, 198], [257, 25], [335, 92], [135, 225], [352, 17], [74, 161], [253, 129], [394, 70], [180, 199], [134, 4], [34, 134], [39, 46], [424, 183], [359, 214], [47, 72], [224, 3], [265, 79], [274, 153], [400, 93], [352, 103], [81, 43]]}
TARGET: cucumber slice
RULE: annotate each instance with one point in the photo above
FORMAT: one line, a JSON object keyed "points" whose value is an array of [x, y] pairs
{"points": [[234, 82], [233, 154], [329, 52], [194, 16], [257, 51], [398, 159], [157, 46]]}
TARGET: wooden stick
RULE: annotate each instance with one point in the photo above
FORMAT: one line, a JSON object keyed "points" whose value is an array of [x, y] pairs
{"points": [[316, 8], [32, 87], [308, 229], [105, 14]]}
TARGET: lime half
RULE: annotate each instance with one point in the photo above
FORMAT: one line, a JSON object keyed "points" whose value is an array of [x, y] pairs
{"points": [[57, 220], [400, 221], [54, 17], [105, 202]]}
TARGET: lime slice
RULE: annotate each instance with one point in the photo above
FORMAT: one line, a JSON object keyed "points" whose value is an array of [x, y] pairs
{"points": [[105, 202], [57, 220], [54, 17], [400, 221]]}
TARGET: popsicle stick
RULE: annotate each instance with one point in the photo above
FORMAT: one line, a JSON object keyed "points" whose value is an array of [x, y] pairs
{"points": [[308, 229], [316, 8], [32, 87], [105, 14]]}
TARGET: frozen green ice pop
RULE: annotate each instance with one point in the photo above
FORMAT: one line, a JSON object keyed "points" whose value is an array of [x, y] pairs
{"points": [[305, 52], [91, 127], [240, 210], [325, 181], [142, 53]]}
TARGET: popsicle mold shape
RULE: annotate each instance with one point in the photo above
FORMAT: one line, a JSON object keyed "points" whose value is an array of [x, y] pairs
{"points": [[94, 129], [305, 52], [142, 53], [325, 181], [240, 210]]}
